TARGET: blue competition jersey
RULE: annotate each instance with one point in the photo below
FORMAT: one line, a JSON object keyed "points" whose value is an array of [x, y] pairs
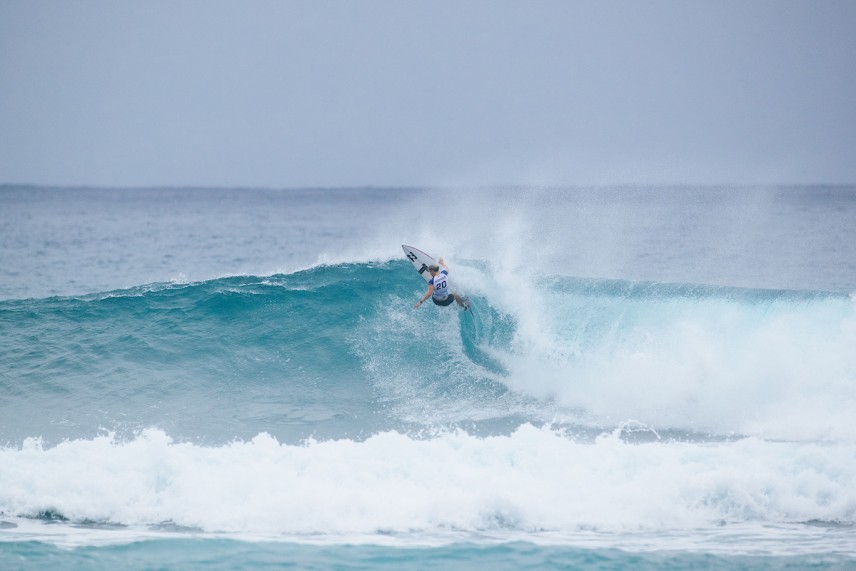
{"points": [[441, 285]]}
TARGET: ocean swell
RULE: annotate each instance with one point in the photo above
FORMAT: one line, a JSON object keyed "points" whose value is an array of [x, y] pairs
{"points": [[337, 351]]}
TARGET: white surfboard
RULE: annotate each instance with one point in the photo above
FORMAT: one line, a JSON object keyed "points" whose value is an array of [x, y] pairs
{"points": [[420, 260]]}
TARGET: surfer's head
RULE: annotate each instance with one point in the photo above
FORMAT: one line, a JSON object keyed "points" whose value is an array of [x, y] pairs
{"points": [[434, 268]]}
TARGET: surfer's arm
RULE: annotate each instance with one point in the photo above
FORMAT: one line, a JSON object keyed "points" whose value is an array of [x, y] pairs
{"points": [[442, 263], [426, 296]]}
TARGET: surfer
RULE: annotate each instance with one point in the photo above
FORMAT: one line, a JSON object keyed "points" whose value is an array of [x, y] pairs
{"points": [[438, 287]]}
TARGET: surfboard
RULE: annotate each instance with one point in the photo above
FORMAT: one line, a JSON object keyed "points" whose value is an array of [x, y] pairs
{"points": [[420, 260]]}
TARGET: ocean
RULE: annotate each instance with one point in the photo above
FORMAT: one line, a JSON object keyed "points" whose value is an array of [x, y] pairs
{"points": [[649, 378]]}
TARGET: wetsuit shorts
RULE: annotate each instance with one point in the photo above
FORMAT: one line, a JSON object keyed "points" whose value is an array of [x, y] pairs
{"points": [[444, 302]]}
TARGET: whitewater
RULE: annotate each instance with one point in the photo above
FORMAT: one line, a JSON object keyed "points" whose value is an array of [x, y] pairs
{"points": [[655, 378]]}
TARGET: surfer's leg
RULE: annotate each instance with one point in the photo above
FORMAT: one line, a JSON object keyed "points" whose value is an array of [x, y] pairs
{"points": [[462, 301]]}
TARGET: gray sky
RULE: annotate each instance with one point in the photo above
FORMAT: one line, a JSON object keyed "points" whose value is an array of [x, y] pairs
{"points": [[277, 93]]}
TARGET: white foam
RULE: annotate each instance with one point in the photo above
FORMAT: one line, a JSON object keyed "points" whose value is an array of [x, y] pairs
{"points": [[785, 370], [534, 480]]}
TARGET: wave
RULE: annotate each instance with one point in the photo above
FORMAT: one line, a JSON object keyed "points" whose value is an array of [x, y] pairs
{"points": [[337, 351], [531, 480]]}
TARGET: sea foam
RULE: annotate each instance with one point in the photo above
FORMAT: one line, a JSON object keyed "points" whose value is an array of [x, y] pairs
{"points": [[536, 479]]}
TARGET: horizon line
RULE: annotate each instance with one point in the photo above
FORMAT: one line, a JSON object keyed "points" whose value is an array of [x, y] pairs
{"points": [[414, 187]]}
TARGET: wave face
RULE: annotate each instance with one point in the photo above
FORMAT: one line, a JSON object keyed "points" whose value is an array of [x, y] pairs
{"points": [[337, 351], [321, 402]]}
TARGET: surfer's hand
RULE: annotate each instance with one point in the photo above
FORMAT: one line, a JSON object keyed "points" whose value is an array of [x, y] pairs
{"points": [[418, 303]]}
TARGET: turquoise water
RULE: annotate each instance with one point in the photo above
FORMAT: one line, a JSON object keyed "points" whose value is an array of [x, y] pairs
{"points": [[309, 416], [225, 554]]}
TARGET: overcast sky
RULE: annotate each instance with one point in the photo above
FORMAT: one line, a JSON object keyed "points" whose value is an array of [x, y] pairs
{"points": [[317, 93]]}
